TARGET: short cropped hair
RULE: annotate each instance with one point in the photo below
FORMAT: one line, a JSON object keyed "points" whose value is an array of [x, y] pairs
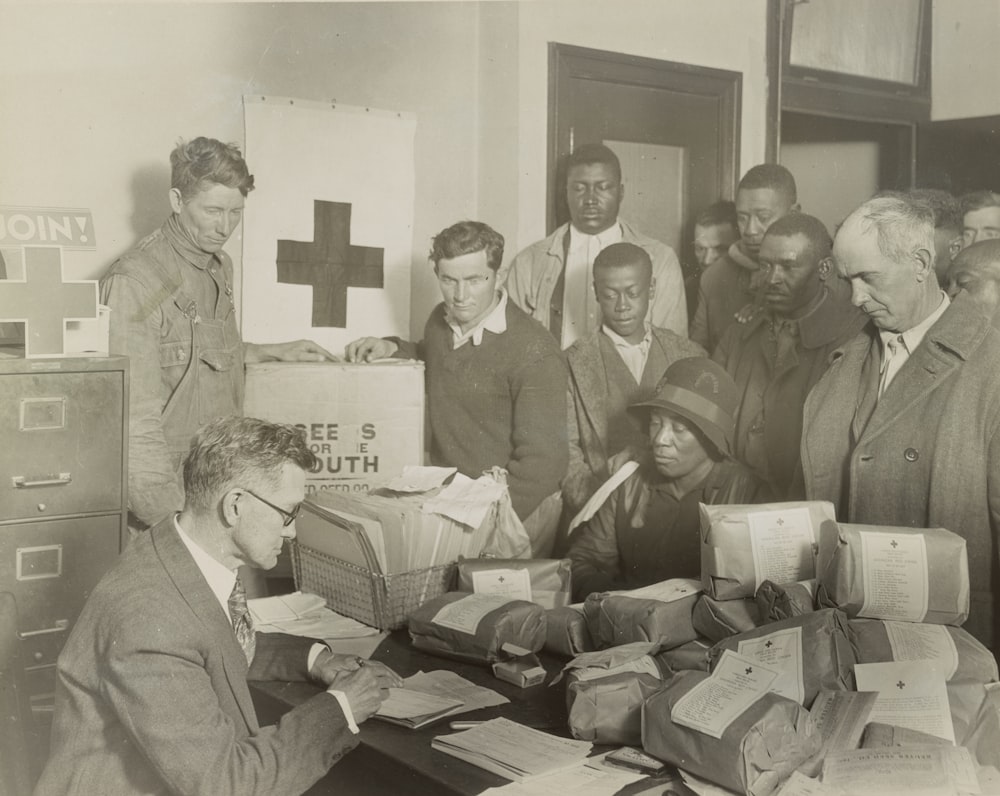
{"points": [[946, 208], [206, 160], [241, 451], [721, 212], [619, 255], [901, 224], [814, 230], [772, 176], [977, 200], [468, 237], [589, 154], [982, 258]]}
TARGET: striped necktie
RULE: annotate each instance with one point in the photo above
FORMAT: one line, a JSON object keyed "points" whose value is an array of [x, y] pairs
{"points": [[242, 623]]}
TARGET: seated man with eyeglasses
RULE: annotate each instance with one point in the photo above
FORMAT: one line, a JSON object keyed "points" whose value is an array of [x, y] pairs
{"points": [[152, 695]]}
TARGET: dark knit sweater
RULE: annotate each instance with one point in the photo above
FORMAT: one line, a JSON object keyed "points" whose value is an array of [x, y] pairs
{"points": [[502, 402]]}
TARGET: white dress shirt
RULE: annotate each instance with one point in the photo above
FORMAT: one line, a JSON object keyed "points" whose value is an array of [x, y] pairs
{"points": [[897, 346], [634, 355]]}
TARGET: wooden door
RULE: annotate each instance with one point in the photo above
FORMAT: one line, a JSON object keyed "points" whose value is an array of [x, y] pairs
{"points": [[675, 128]]}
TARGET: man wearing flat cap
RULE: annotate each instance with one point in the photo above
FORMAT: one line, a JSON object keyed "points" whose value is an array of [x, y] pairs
{"points": [[648, 529]]}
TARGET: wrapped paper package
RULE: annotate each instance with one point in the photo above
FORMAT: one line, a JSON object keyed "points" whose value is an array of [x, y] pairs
{"points": [[719, 619], [878, 735], [885, 572], [566, 632], [545, 581], [975, 715], [693, 655], [608, 710], [476, 630], [813, 652], [742, 546], [962, 657], [763, 745], [783, 601], [615, 619]]}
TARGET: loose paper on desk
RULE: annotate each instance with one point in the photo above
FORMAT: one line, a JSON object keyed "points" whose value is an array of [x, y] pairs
{"points": [[446, 683], [415, 708], [466, 501], [894, 569], [923, 769], [581, 780], [781, 650], [912, 641], [465, 615], [735, 684], [666, 591], [420, 479], [841, 717], [301, 614], [515, 584], [782, 545], [911, 694]]}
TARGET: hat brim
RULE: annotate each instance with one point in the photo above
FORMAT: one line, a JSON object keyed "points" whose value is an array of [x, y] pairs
{"points": [[709, 419]]}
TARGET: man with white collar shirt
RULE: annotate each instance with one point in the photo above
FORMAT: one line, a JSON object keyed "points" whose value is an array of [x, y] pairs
{"points": [[495, 379], [904, 426], [551, 279], [613, 367]]}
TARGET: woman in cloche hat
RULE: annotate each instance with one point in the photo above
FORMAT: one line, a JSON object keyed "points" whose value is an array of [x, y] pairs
{"points": [[648, 529]]}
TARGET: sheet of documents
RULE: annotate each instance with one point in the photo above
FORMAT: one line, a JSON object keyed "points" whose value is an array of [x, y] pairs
{"points": [[466, 501], [512, 750], [923, 769], [465, 615], [911, 694], [735, 684], [841, 717], [444, 682], [268, 610], [603, 492], [894, 569], [304, 615], [515, 584], [914, 641], [580, 780], [666, 591], [798, 784], [415, 478], [415, 708], [781, 650], [782, 545]]}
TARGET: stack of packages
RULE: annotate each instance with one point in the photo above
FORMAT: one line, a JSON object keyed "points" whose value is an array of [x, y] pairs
{"points": [[818, 657]]}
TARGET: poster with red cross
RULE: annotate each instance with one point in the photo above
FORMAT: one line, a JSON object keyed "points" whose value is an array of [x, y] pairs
{"points": [[328, 229]]}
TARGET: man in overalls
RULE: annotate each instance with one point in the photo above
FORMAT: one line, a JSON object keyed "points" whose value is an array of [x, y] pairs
{"points": [[173, 316]]}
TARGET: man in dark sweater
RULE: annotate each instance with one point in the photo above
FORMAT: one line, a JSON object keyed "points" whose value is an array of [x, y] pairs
{"points": [[496, 381]]}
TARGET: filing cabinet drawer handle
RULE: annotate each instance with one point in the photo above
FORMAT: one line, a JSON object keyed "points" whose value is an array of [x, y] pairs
{"points": [[59, 627], [21, 482]]}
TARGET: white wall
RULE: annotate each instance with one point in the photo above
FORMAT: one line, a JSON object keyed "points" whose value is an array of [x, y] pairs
{"points": [[966, 42]]}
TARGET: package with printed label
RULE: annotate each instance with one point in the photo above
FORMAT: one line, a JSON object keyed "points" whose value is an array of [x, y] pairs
{"points": [[719, 619], [885, 572], [959, 655], [546, 581], [812, 653], [742, 546], [616, 619], [567, 632], [777, 601], [475, 627], [753, 753]]}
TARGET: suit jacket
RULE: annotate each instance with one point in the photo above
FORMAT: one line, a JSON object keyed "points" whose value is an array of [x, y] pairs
{"points": [[152, 692], [532, 276], [929, 455], [588, 409]]}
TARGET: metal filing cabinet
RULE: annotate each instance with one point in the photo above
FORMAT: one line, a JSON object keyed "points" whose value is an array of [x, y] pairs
{"points": [[63, 443]]}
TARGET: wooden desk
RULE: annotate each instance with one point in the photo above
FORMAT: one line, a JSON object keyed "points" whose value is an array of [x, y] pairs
{"points": [[395, 760]]}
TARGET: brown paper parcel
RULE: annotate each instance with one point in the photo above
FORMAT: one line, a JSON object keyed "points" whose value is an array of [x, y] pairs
{"points": [[840, 574], [608, 710], [827, 657], [975, 715], [777, 601], [719, 619], [693, 655], [567, 632], [517, 622], [727, 565], [871, 645], [551, 584], [757, 752], [615, 619]]}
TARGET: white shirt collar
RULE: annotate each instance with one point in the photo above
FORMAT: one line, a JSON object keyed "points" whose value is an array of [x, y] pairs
{"points": [[621, 342], [915, 336], [220, 578], [495, 321], [579, 240]]}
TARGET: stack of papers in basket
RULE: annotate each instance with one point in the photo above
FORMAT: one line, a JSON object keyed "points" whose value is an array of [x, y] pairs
{"points": [[512, 750], [303, 615]]}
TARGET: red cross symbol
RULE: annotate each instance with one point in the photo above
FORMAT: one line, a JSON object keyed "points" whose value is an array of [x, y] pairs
{"points": [[43, 301], [330, 263]]}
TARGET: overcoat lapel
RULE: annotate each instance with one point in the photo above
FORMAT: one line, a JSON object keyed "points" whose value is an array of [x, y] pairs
{"points": [[587, 369]]}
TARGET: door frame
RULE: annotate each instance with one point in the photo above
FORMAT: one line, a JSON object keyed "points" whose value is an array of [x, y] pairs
{"points": [[569, 62]]}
